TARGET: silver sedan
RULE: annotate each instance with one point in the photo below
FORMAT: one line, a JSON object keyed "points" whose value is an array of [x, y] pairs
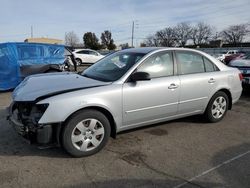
{"points": [[127, 89]]}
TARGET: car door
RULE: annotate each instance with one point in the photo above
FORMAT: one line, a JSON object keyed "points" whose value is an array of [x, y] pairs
{"points": [[93, 56], [155, 99], [83, 55], [197, 79]]}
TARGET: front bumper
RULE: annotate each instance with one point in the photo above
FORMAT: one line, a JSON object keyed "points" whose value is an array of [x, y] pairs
{"points": [[35, 134]]}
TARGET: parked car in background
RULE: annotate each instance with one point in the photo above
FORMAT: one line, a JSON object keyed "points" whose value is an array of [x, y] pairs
{"points": [[222, 56], [244, 66], [127, 89], [86, 56], [229, 58], [19, 60]]}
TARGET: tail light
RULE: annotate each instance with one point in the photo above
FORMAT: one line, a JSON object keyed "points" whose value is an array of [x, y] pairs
{"points": [[240, 76]]}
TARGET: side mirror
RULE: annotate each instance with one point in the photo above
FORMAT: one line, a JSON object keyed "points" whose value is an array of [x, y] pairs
{"points": [[140, 76]]}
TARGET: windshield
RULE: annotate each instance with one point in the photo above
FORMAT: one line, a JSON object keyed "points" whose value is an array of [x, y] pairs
{"points": [[113, 67]]}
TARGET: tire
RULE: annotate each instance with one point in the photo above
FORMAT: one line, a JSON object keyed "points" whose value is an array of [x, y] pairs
{"points": [[217, 107], [78, 61], [85, 133]]}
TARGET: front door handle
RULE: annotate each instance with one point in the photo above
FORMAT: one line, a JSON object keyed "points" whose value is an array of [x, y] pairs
{"points": [[211, 80], [173, 86]]}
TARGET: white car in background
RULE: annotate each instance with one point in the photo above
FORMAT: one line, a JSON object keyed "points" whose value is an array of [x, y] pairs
{"points": [[86, 56], [221, 57]]}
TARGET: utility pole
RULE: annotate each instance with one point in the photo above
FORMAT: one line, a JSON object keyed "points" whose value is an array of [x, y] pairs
{"points": [[31, 33], [133, 27]]}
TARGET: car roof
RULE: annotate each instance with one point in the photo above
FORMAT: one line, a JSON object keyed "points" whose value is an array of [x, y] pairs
{"points": [[142, 49], [147, 50], [85, 49]]}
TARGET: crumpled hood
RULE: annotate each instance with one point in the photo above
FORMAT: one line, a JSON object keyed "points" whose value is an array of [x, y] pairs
{"points": [[35, 86]]}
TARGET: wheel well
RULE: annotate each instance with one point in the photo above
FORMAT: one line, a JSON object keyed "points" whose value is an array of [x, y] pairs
{"points": [[228, 93], [78, 59], [106, 113], [52, 70]]}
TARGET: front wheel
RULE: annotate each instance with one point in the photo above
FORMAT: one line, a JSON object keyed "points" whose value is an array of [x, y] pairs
{"points": [[217, 107], [78, 61], [85, 133]]}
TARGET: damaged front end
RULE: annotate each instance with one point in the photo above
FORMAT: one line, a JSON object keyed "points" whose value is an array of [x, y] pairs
{"points": [[24, 116]]}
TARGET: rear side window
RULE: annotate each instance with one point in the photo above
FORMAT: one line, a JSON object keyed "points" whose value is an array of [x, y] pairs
{"points": [[209, 66], [158, 65], [93, 53], [190, 63]]}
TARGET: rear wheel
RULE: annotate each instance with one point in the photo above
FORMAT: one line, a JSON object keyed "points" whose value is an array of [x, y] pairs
{"points": [[217, 107], [85, 133]]}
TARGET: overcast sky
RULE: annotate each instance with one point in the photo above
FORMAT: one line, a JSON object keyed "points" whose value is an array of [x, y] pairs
{"points": [[52, 18]]}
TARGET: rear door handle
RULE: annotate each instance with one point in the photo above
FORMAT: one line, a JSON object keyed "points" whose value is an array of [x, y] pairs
{"points": [[173, 86], [211, 80]]}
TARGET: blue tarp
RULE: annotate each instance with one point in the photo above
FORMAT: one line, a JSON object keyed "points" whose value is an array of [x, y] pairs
{"points": [[15, 55]]}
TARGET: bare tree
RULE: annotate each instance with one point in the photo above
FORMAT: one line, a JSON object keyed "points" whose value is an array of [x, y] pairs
{"points": [[151, 40], [201, 33], [235, 34], [166, 37], [183, 32], [71, 39]]}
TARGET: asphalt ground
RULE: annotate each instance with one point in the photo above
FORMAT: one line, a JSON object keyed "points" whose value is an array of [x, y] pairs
{"points": [[182, 153]]}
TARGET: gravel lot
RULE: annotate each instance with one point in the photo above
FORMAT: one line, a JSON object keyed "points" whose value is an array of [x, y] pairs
{"points": [[182, 153]]}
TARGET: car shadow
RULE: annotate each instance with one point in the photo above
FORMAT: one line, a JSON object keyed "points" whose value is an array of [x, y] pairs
{"points": [[13, 144]]}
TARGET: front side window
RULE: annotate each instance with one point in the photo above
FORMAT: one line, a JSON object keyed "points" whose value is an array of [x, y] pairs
{"points": [[190, 62], [158, 65], [113, 67]]}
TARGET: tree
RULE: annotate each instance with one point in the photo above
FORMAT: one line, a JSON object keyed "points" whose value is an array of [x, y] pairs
{"points": [[183, 33], [166, 37], [235, 33], [107, 41], [71, 39], [91, 41], [124, 46], [201, 33], [151, 40]]}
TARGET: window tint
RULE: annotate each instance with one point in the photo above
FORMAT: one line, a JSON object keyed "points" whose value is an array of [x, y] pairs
{"points": [[83, 52], [158, 65], [190, 62], [209, 66], [93, 53]]}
